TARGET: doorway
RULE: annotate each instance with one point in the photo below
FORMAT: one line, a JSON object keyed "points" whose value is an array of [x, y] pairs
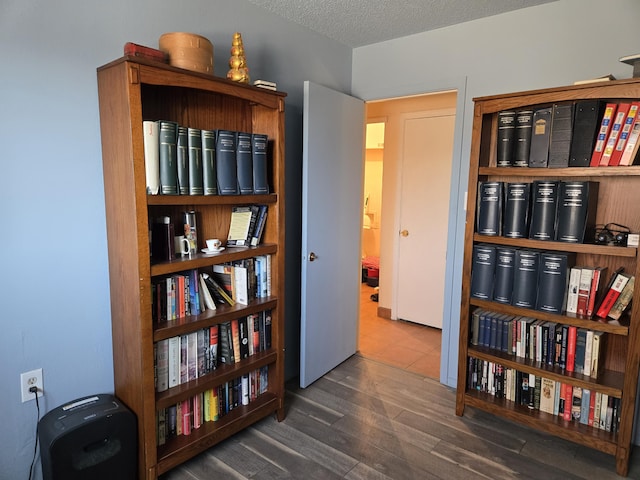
{"points": [[382, 336]]}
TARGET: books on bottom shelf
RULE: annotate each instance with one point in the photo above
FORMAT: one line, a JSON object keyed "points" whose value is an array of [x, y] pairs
{"points": [[211, 405], [184, 358], [574, 404]]}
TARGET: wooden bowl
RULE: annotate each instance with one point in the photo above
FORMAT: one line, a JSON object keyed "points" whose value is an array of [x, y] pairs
{"points": [[188, 51]]}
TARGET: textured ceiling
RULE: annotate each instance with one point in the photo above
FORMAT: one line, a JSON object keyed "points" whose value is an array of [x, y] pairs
{"points": [[362, 22]]}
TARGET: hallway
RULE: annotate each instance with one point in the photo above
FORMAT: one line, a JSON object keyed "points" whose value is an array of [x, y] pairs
{"points": [[412, 347]]}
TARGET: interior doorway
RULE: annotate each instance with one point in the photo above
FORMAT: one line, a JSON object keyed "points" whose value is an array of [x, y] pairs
{"points": [[381, 337]]}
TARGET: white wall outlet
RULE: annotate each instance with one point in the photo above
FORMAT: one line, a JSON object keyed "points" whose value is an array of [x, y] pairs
{"points": [[28, 380]]}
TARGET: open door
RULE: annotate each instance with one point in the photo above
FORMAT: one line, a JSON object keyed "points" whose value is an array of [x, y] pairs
{"points": [[332, 182]]}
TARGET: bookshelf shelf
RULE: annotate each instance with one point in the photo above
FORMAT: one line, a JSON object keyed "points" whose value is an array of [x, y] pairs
{"points": [[132, 90], [618, 197]]}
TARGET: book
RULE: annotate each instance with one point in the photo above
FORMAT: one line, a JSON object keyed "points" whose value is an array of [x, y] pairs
{"points": [[576, 211], [584, 290], [135, 50], [162, 365], [598, 346], [151, 156], [525, 280], [225, 343], [588, 353], [544, 203], [597, 287], [489, 208], [623, 137], [506, 133], [174, 361], [540, 136], [561, 133], [623, 301], [576, 404], [581, 346], [265, 84], [221, 292], [586, 121], [213, 348], [196, 186], [547, 395], [244, 161], [209, 177], [572, 335], [240, 226], [223, 276], [241, 278], [503, 276], [552, 281], [483, 270], [515, 220], [261, 221], [226, 163], [612, 294], [572, 290], [243, 328], [522, 136], [616, 128], [235, 336], [168, 155], [630, 153], [259, 155], [603, 133], [182, 158], [206, 294]]}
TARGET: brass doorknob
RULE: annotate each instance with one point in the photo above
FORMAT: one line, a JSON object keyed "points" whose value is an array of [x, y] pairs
{"points": [[404, 233]]}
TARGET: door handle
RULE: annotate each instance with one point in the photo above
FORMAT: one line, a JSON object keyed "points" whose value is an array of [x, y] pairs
{"points": [[404, 233], [312, 257]]}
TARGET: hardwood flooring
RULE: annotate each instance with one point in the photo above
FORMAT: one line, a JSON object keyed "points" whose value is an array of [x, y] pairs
{"points": [[370, 420]]}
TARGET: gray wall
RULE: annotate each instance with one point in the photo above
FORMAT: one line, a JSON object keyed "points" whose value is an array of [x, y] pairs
{"points": [[549, 45], [54, 287]]}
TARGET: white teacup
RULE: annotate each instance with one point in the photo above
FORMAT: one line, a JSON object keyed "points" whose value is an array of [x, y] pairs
{"points": [[182, 245], [214, 244]]}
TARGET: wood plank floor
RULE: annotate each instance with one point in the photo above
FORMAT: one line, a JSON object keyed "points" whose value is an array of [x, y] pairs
{"points": [[369, 420]]}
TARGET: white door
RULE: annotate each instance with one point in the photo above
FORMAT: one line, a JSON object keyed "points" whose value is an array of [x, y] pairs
{"points": [[427, 149], [332, 178]]}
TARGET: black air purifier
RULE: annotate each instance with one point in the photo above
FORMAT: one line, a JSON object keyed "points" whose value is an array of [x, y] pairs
{"points": [[92, 438]]}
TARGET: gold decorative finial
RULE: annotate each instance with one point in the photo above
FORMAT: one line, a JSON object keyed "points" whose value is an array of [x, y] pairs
{"points": [[238, 72]]}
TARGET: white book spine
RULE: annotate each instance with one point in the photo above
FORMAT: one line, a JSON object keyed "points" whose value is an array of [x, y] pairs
{"points": [[151, 156]]}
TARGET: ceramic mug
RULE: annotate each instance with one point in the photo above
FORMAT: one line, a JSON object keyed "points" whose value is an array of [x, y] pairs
{"points": [[182, 245]]}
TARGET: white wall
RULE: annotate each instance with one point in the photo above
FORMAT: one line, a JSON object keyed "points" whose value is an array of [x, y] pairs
{"points": [[544, 46], [54, 288]]}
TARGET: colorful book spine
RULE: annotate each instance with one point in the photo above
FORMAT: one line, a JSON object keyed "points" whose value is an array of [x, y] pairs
{"points": [[603, 133]]}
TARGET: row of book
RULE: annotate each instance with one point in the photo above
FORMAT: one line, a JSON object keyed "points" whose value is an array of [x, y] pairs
{"points": [[574, 134], [181, 160], [542, 280], [184, 358], [571, 403], [573, 349], [562, 211], [195, 291], [210, 405]]}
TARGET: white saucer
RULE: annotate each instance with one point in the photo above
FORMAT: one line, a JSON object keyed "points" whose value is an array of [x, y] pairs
{"points": [[206, 251]]}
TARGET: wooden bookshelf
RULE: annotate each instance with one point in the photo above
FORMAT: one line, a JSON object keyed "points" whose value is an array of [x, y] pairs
{"points": [[132, 90], [618, 200]]}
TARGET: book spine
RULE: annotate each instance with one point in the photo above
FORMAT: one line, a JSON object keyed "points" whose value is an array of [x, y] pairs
{"points": [[182, 153], [516, 210], [226, 164], [623, 300], [244, 163], [483, 271], [612, 295], [603, 133], [544, 207], [629, 121], [572, 291], [195, 162], [577, 206], [135, 50], [595, 293], [553, 280], [585, 129], [525, 281], [561, 133], [524, 123], [168, 158], [506, 133], [540, 136], [259, 152], [209, 178], [151, 156], [504, 268], [631, 148], [256, 237], [489, 208], [584, 289], [616, 128]]}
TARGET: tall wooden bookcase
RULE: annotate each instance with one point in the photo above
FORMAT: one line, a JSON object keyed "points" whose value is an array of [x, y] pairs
{"points": [[618, 200], [132, 90]]}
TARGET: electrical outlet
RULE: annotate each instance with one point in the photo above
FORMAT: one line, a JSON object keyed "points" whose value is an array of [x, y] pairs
{"points": [[28, 380]]}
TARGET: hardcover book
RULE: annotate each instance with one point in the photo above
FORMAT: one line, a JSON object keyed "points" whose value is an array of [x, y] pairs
{"points": [[244, 159], [540, 136], [489, 208], [630, 153], [627, 126], [577, 206], [612, 294], [516, 210], [544, 202], [182, 152], [603, 133], [168, 132], [503, 284], [616, 128], [524, 123], [151, 156], [259, 151], [226, 163], [585, 128], [525, 281], [483, 270], [553, 279], [506, 133], [209, 176], [561, 133], [195, 161], [623, 301]]}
